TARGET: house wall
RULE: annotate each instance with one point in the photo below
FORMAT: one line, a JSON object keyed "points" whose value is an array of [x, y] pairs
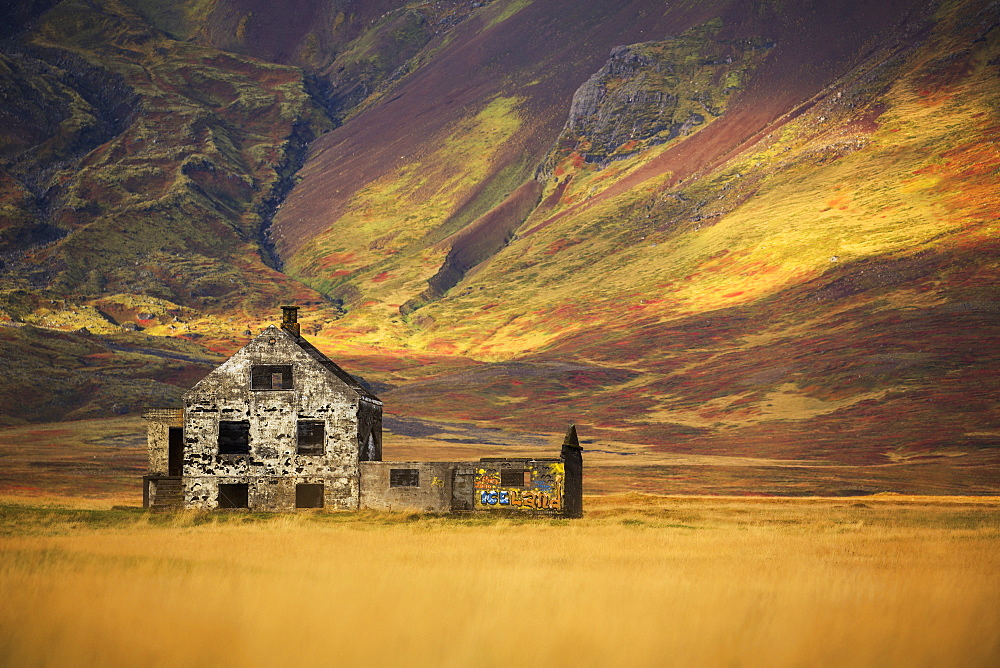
{"points": [[157, 443], [274, 493], [273, 467]]}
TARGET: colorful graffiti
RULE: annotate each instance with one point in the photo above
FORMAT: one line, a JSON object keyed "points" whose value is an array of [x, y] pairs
{"points": [[516, 498], [487, 479], [543, 488]]}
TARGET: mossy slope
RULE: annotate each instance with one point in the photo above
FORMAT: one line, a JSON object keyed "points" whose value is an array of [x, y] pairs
{"points": [[822, 284]]}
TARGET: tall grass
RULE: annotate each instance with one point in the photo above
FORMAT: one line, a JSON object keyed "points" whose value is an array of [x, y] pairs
{"points": [[659, 582]]}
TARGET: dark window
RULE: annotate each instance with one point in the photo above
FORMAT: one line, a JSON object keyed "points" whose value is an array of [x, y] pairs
{"points": [[404, 478], [515, 478], [311, 435], [308, 495], [271, 377], [235, 495], [234, 437]]}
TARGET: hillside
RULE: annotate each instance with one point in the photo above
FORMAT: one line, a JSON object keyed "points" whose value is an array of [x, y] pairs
{"points": [[730, 228], [137, 174], [755, 234]]}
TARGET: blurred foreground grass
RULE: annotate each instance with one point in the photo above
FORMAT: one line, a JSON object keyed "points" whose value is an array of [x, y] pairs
{"points": [[641, 580]]}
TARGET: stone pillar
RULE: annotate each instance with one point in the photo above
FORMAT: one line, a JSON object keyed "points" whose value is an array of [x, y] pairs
{"points": [[572, 456]]}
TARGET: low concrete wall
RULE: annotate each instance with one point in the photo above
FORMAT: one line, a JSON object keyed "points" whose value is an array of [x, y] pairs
{"points": [[433, 493]]}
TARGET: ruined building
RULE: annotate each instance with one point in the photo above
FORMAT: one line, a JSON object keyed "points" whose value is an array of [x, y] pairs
{"points": [[279, 426]]}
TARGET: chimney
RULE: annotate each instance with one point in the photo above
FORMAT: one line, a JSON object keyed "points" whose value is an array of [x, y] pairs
{"points": [[290, 320]]}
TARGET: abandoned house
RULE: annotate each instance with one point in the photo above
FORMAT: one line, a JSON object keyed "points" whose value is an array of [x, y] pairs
{"points": [[279, 426]]}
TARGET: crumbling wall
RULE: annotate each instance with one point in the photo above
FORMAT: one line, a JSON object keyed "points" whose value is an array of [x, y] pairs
{"points": [[432, 493], [272, 467]]}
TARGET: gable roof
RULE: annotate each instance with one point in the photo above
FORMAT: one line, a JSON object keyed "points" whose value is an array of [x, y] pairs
{"points": [[330, 365], [314, 352]]}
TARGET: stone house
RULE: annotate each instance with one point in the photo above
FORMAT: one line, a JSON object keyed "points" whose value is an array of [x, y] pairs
{"points": [[279, 426]]}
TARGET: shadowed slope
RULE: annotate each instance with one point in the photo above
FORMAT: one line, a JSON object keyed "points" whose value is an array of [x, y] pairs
{"points": [[540, 54], [294, 32]]}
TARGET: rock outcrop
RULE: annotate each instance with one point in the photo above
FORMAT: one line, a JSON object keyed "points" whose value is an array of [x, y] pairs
{"points": [[652, 92]]}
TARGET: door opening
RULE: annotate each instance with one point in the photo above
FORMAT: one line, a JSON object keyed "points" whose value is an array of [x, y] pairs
{"points": [[175, 451]]}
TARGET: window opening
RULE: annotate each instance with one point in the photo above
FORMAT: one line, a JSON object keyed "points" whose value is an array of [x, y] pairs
{"points": [[271, 377], [515, 478], [234, 437], [309, 495], [404, 478], [234, 495], [311, 434]]}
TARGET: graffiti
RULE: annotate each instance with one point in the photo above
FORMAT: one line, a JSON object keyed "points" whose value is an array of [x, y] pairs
{"points": [[437, 482], [486, 479], [523, 499], [542, 485], [542, 490], [495, 497]]}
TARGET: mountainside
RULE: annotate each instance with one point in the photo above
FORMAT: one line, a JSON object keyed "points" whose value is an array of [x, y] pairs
{"points": [[732, 227], [765, 231]]}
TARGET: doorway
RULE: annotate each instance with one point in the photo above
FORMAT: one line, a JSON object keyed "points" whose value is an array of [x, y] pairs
{"points": [[175, 451]]}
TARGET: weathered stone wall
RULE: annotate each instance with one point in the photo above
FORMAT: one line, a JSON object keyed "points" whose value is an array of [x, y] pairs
{"points": [[269, 493], [433, 494], [272, 467]]}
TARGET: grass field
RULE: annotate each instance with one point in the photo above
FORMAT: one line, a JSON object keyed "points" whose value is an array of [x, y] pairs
{"points": [[641, 580]]}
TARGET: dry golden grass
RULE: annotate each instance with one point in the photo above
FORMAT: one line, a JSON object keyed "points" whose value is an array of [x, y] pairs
{"points": [[640, 581]]}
